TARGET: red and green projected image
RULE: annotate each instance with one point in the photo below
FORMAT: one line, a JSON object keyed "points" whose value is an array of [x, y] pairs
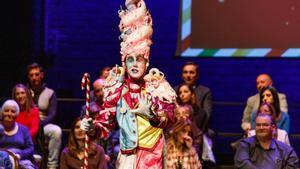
{"points": [[239, 28]]}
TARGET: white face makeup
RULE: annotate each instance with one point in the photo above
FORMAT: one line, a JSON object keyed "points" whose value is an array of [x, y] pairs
{"points": [[136, 66]]}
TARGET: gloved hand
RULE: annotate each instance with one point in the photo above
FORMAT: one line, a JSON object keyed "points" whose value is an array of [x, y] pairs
{"points": [[144, 107], [86, 124]]}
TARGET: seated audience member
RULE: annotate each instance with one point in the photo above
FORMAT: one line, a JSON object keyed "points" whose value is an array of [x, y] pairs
{"points": [[103, 74], [45, 99], [180, 152], [190, 75], [15, 136], [263, 151], [253, 102], [270, 96], [29, 113], [186, 96], [185, 112], [73, 154], [279, 134], [97, 94]]}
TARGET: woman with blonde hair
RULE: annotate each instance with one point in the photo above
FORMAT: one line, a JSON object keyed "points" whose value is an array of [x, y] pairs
{"points": [[180, 151], [29, 113]]}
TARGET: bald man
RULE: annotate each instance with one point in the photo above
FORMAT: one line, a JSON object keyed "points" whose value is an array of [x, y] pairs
{"points": [[262, 81], [97, 100]]}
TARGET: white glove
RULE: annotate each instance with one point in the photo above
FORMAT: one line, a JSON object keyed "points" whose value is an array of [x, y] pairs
{"points": [[86, 124], [144, 107]]}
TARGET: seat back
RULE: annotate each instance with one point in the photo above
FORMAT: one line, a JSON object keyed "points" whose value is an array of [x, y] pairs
{"points": [[12, 157]]}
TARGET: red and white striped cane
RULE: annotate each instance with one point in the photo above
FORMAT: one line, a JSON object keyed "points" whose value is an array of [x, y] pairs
{"points": [[85, 81]]}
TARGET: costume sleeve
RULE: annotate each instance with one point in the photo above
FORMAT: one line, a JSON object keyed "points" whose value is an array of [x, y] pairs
{"points": [[163, 114], [51, 110], [35, 122], [242, 157], [105, 120]]}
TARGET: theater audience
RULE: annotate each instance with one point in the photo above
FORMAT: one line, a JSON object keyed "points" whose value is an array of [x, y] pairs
{"points": [[270, 95], [190, 75], [15, 136], [184, 112], [253, 102], [45, 99], [29, 113], [279, 134], [73, 154], [180, 150], [186, 96]]}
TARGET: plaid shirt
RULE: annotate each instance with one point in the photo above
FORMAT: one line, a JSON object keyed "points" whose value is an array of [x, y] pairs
{"points": [[187, 160]]}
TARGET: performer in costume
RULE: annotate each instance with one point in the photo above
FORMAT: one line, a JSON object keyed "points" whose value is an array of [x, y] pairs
{"points": [[141, 104]]}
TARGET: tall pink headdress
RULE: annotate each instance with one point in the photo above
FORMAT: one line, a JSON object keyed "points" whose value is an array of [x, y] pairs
{"points": [[136, 30]]}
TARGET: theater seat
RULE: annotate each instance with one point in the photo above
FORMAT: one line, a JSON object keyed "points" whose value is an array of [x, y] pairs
{"points": [[13, 158]]}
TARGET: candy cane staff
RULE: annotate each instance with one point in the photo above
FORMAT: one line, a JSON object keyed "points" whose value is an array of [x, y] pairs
{"points": [[85, 84]]}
